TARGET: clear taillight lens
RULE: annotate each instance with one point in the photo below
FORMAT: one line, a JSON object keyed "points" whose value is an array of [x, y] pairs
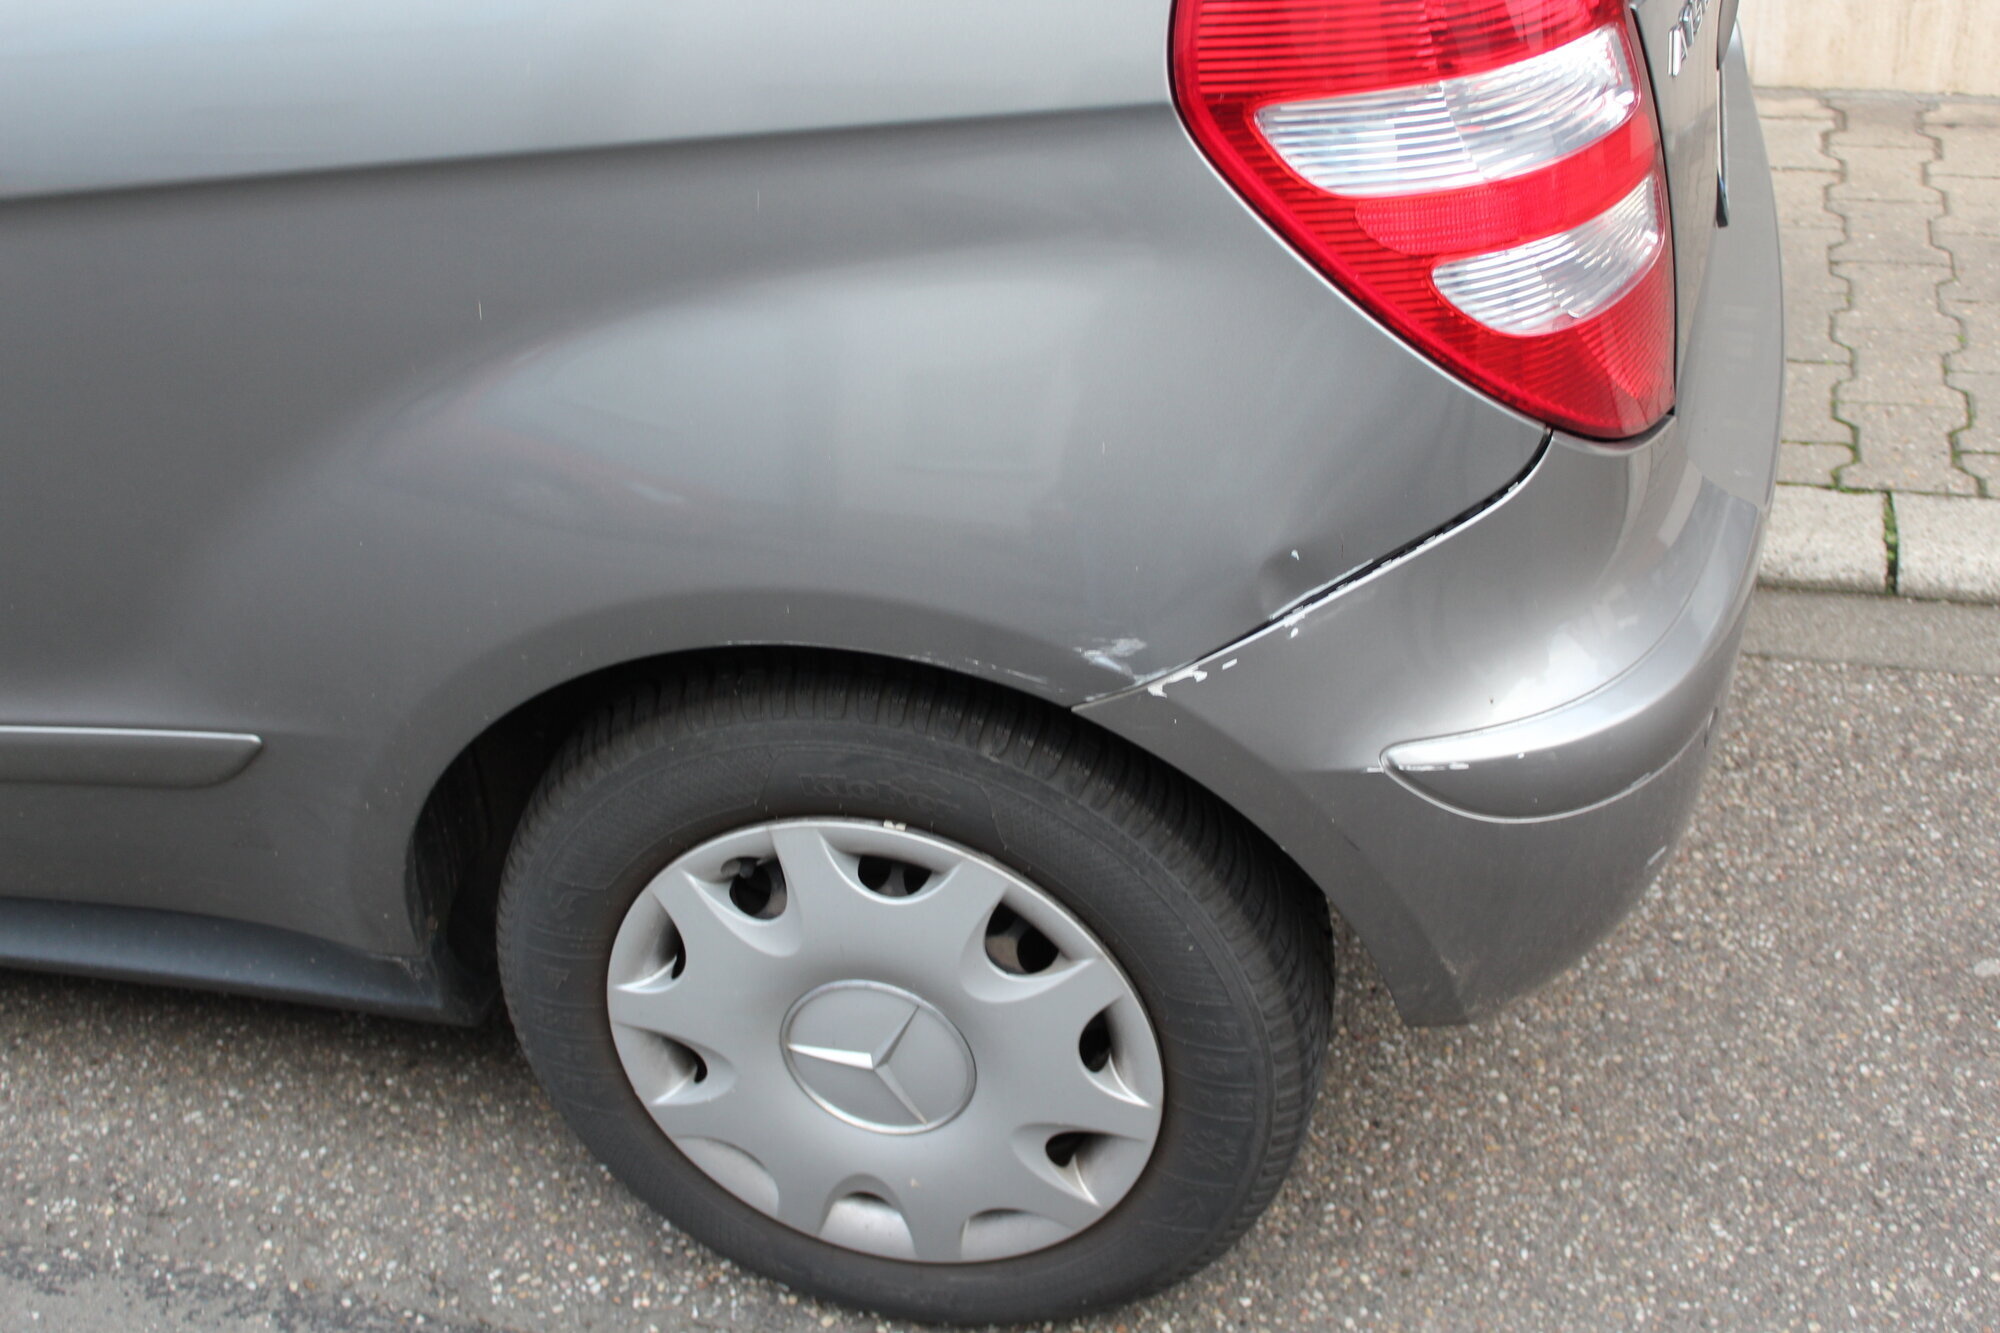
{"points": [[1560, 280], [1465, 131], [1482, 175]]}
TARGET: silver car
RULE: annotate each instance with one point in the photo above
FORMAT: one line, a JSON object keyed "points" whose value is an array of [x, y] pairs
{"points": [[875, 568]]}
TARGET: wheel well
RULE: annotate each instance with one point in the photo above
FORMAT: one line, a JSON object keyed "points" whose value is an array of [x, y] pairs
{"points": [[458, 849]]}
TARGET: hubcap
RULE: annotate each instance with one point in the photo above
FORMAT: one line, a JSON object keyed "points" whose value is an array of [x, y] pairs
{"points": [[885, 1040], [878, 1057]]}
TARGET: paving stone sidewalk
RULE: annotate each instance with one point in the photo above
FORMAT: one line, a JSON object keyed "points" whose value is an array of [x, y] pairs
{"points": [[1889, 479]]}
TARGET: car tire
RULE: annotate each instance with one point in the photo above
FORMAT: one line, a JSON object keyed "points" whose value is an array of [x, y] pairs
{"points": [[1211, 956]]}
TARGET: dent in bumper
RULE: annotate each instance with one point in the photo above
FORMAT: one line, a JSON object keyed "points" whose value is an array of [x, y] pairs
{"points": [[1483, 752], [1611, 742]]}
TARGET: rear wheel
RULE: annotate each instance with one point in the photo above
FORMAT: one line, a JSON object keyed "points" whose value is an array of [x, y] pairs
{"points": [[910, 993]]}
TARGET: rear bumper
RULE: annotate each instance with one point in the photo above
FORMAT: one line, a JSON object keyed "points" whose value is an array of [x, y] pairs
{"points": [[1484, 749]]}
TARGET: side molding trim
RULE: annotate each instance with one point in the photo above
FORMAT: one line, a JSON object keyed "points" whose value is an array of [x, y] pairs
{"points": [[123, 756], [237, 958]]}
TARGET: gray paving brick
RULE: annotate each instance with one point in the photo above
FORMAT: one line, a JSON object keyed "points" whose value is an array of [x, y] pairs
{"points": [[1792, 104], [1957, 112], [1888, 233], [1887, 287], [1975, 267], [1825, 539], [1987, 468], [1811, 464], [1983, 390], [1885, 173], [1809, 325], [1878, 122], [1802, 199], [1971, 206], [1809, 404], [1895, 295], [1981, 322], [1948, 548], [1895, 298], [1896, 374], [1794, 145], [1905, 447], [1804, 253], [1968, 150]]}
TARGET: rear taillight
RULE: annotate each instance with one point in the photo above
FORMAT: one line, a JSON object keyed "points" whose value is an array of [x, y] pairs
{"points": [[1484, 176]]}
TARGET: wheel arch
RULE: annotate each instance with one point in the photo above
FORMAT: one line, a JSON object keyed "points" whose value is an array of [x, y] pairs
{"points": [[458, 844]]}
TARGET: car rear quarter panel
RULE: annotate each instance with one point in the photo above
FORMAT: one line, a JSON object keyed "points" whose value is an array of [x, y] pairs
{"points": [[353, 393]]}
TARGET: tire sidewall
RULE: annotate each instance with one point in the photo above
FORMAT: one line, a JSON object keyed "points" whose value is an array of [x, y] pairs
{"points": [[606, 829]]}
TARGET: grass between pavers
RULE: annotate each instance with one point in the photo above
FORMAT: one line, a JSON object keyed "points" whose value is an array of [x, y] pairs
{"points": [[1891, 541]]}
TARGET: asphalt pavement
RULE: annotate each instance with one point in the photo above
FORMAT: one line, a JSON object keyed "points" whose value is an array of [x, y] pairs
{"points": [[1770, 1101]]}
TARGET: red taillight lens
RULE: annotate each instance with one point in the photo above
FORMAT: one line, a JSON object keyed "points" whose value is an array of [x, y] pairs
{"points": [[1482, 175]]}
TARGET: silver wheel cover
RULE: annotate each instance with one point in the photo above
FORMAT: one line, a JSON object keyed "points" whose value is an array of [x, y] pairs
{"points": [[870, 1069]]}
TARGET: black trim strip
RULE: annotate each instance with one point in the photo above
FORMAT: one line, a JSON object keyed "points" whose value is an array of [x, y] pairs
{"points": [[236, 957]]}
